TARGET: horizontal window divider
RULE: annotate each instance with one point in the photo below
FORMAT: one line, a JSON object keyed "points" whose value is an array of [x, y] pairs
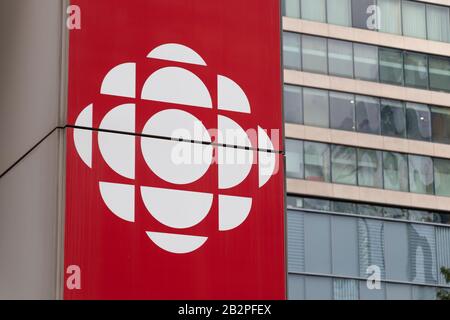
{"points": [[327, 275], [362, 36]]}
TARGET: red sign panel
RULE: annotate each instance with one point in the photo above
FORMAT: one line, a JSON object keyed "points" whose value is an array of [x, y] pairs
{"points": [[175, 186]]}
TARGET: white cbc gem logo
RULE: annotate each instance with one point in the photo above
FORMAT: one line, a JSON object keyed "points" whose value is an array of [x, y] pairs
{"points": [[175, 208]]}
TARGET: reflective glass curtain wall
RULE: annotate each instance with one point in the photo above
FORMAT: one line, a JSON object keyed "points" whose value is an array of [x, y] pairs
{"points": [[366, 62], [402, 17]]}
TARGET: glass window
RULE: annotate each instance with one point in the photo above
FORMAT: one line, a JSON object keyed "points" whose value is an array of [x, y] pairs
{"points": [[293, 109], [313, 10], [291, 50], [393, 118], [366, 62], [342, 111], [294, 202], [414, 21], [391, 66], [416, 70], [420, 216], [390, 16], [442, 177], [440, 124], [370, 210], [364, 14], [420, 174], [367, 114], [439, 73], [395, 213], [344, 207], [316, 204], [369, 168], [339, 12], [314, 54], [343, 162], [418, 121], [438, 23], [291, 8], [315, 104], [395, 171], [424, 216], [340, 58], [444, 218], [317, 161], [294, 158]]}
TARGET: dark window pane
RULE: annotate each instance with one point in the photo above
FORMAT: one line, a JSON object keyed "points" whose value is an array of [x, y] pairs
{"points": [[370, 210], [416, 70], [315, 107], [369, 168], [393, 119], [344, 207], [391, 66], [293, 109], [442, 177], [294, 158], [316, 204], [314, 54], [317, 161], [421, 216], [420, 174], [395, 213], [291, 50], [439, 73], [340, 58], [362, 14], [366, 62], [294, 202], [343, 164], [342, 111], [291, 8], [395, 171], [418, 121], [440, 124], [367, 115], [444, 218]]}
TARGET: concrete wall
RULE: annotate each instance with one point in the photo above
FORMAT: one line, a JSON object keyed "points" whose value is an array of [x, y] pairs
{"points": [[31, 106]]}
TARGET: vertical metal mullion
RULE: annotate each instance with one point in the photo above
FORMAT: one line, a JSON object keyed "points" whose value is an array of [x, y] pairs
{"points": [[408, 167], [426, 21], [434, 175], [428, 73], [403, 55], [357, 165], [301, 50], [353, 60], [401, 17], [304, 161], [327, 55]]}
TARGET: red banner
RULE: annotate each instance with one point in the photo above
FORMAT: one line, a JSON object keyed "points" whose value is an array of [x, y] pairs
{"points": [[175, 186]]}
